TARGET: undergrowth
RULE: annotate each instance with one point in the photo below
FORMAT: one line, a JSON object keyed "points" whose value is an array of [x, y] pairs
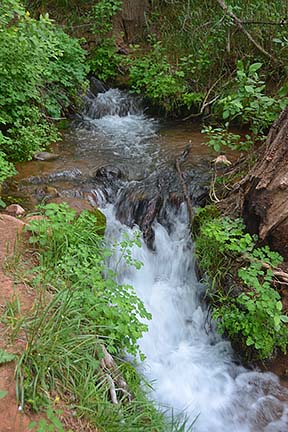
{"points": [[42, 71], [81, 311], [245, 302]]}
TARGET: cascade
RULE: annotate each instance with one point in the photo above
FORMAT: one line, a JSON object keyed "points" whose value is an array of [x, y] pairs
{"points": [[193, 370]]}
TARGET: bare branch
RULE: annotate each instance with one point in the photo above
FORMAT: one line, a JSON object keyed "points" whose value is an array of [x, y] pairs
{"points": [[239, 24]]}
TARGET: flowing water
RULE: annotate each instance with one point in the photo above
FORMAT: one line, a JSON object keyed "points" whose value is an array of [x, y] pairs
{"points": [[193, 370]]}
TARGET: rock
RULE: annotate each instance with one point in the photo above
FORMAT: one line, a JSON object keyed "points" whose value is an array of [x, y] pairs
{"points": [[45, 156], [96, 86], [15, 210], [76, 204], [109, 172], [28, 219]]}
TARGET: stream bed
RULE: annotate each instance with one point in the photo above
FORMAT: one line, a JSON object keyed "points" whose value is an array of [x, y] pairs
{"points": [[116, 157]]}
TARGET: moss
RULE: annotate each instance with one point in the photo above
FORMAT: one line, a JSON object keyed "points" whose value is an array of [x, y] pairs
{"points": [[101, 222], [202, 215]]}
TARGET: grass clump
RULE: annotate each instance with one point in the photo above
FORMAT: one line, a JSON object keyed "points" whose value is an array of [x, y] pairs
{"points": [[250, 312], [81, 312]]}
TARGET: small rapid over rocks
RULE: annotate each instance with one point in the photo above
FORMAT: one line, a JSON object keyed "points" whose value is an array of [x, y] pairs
{"points": [[194, 370], [121, 160]]}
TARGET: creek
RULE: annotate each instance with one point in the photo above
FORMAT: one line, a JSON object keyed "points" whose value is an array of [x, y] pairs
{"points": [[118, 158]]}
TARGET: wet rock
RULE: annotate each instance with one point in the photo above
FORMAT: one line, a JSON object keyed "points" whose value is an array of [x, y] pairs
{"points": [[45, 156], [70, 174], [15, 210], [109, 172], [96, 86]]}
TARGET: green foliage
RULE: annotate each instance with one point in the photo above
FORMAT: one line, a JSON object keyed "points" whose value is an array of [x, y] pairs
{"points": [[203, 33], [255, 315], [52, 424], [6, 357], [104, 61], [6, 168], [164, 84], [247, 103], [78, 261], [3, 393], [103, 12], [220, 138], [154, 75], [41, 70]]}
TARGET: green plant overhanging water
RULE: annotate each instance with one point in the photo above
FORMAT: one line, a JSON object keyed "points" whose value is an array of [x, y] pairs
{"points": [[42, 70], [246, 104], [254, 316]]}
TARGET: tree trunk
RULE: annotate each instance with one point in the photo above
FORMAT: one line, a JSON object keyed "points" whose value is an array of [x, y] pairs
{"points": [[265, 188], [130, 21]]}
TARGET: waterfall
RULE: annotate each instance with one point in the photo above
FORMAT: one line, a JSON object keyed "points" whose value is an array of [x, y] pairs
{"points": [[193, 369]]}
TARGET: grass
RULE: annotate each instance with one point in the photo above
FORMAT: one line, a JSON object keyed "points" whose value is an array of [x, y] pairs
{"points": [[70, 328]]}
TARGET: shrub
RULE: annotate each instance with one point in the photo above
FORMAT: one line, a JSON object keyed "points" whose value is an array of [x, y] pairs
{"points": [[254, 317], [247, 103], [41, 70]]}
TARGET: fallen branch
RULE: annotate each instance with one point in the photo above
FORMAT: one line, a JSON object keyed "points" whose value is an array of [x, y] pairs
{"points": [[115, 380], [112, 390], [239, 24], [279, 274], [182, 158]]}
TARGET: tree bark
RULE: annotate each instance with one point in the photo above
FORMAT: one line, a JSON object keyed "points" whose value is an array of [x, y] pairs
{"points": [[130, 21], [265, 190]]}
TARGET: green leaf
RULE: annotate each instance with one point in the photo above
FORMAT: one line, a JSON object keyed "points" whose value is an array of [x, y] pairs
{"points": [[3, 393], [249, 341], [254, 67], [277, 320], [6, 357]]}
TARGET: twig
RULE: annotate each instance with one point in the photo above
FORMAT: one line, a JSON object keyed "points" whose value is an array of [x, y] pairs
{"points": [[112, 390], [239, 24]]}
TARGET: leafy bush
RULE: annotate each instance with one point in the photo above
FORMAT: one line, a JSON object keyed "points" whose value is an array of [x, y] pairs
{"points": [[247, 103], [162, 83], [255, 315], [208, 39], [219, 138], [104, 61], [6, 168], [41, 71], [79, 261]]}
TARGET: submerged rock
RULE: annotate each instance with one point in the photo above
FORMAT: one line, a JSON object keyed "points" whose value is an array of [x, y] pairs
{"points": [[45, 156]]}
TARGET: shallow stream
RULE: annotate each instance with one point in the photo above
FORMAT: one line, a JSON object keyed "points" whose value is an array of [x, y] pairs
{"points": [[194, 371]]}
